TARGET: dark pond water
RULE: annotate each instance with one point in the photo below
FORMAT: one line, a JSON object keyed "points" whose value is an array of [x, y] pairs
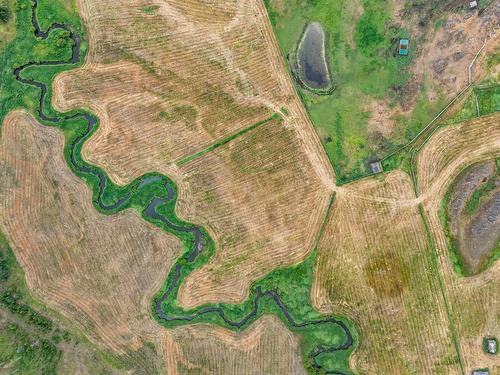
{"points": [[313, 69]]}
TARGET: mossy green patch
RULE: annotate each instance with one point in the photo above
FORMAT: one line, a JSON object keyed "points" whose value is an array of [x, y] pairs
{"points": [[150, 9], [387, 273], [489, 100]]}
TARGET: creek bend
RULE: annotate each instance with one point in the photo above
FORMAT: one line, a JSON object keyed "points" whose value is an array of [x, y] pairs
{"points": [[157, 195]]}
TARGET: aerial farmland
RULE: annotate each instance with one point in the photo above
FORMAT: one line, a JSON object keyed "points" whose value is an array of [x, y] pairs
{"points": [[249, 187]]}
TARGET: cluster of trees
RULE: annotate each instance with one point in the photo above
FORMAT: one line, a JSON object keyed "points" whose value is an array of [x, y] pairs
{"points": [[10, 299]]}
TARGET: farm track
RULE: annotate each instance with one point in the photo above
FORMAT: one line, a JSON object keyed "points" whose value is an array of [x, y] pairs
{"points": [[193, 237]]}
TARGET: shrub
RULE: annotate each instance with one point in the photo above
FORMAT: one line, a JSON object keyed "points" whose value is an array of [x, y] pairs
{"points": [[4, 14]]}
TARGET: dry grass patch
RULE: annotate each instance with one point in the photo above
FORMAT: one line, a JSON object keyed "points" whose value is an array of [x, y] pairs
{"points": [[475, 301], [454, 147], [99, 271], [374, 265], [266, 347], [169, 82], [261, 202]]}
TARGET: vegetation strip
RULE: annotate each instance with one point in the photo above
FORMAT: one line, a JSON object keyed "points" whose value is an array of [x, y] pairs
{"points": [[187, 159], [326, 341], [435, 261]]}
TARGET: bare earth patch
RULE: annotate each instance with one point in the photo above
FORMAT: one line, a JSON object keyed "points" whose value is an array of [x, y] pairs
{"points": [[443, 61], [476, 233]]}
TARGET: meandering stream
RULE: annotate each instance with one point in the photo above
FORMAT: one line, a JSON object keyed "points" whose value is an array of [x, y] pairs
{"points": [[162, 194]]}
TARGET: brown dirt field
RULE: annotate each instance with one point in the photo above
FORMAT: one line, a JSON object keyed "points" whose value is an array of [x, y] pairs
{"points": [[266, 347], [475, 301], [223, 71], [261, 204], [453, 147], [88, 266], [374, 266]]}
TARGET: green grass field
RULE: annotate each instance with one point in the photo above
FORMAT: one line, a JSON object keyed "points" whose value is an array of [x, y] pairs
{"points": [[25, 47], [365, 67]]}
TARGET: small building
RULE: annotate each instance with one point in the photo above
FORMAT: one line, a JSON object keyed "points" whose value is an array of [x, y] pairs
{"points": [[481, 372], [491, 346], [473, 4], [403, 47], [376, 167]]}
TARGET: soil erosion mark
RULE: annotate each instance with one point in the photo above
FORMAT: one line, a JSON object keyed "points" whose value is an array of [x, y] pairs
{"points": [[154, 195]]}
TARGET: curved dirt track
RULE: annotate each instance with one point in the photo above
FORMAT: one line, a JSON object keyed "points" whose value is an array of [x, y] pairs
{"points": [[158, 209]]}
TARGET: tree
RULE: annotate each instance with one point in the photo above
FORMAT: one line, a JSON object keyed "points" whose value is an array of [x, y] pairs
{"points": [[4, 14]]}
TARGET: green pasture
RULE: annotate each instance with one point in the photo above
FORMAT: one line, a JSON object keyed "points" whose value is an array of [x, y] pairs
{"points": [[365, 66]]}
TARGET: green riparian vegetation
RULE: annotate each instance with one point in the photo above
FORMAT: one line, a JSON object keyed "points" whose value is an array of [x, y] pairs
{"points": [[28, 339]]}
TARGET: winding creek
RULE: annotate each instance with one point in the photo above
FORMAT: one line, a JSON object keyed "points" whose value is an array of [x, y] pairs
{"points": [[157, 196]]}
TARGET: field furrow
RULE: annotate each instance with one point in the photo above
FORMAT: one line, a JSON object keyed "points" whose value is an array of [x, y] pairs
{"points": [[262, 206]]}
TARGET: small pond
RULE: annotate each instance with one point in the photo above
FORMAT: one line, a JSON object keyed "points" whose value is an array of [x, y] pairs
{"points": [[311, 57]]}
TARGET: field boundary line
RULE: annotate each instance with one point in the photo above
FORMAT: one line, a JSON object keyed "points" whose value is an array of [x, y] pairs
{"points": [[437, 271], [325, 220], [186, 159]]}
